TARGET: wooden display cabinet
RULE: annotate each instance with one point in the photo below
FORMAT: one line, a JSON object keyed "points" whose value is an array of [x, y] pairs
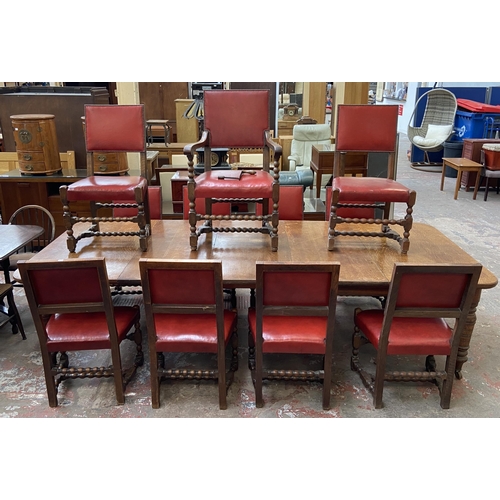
{"points": [[472, 151]]}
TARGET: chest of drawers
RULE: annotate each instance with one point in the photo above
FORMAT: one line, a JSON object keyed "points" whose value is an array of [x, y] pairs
{"points": [[36, 143]]}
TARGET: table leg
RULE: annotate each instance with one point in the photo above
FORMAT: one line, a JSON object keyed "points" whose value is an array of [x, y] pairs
{"points": [[318, 184], [476, 186], [457, 185], [463, 348], [5, 267], [442, 175]]}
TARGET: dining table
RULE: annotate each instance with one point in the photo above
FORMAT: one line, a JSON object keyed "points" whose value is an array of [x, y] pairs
{"points": [[13, 237], [366, 263]]}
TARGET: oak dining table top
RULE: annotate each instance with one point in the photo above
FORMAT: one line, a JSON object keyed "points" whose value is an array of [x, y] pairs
{"points": [[366, 263]]}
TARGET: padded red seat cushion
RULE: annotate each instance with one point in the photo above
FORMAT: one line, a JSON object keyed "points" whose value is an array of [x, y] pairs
{"points": [[290, 334], [370, 189], [423, 336], [105, 188], [87, 331], [191, 333], [258, 185]]}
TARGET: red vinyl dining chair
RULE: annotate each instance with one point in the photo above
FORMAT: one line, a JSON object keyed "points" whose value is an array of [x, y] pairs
{"points": [[422, 301], [72, 309], [294, 314], [185, 313], [112, 129], [368, 129], [235, 119]]}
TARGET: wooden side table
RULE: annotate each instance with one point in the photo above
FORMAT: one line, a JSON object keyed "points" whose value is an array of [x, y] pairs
{"points": [[461, 165], [322, 162]]}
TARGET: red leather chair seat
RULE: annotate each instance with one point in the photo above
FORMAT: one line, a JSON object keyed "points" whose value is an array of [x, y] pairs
{"points": [[154, 200], [258, 185], [105, 188], [369, 189], [359, 213], [408, 335], [191, 333], [293, 334], [87, 331]]}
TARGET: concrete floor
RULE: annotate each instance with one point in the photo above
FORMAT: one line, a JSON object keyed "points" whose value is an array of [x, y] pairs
{"points": [[473, 225]]}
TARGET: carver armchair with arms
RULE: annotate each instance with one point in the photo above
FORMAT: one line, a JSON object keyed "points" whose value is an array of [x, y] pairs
{"points": [[294, 314], [368, 129], [185, 313], [118, 129], [421, 302], [235, 119], [70, 302]]}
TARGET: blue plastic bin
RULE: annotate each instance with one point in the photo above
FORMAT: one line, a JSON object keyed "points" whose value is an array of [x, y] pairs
{"points": [[470, 125]]}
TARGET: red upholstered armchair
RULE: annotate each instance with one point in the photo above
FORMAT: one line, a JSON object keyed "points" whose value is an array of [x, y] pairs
{"points": [[368, 129], [185, 313], [294, 314], [110, 128], [414, 323], [235, 119], [72, 309]]}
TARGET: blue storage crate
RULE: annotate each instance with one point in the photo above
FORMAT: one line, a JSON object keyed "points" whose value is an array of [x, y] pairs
{"points": [[470, 125]]}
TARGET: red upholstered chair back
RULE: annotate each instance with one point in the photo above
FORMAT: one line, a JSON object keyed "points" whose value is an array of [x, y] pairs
{"points": [[297, 285], [119, 128], [57, 283], [217, 208], [430, 290], [182, 282], [291, 203], [366, 128], [236, 118]]}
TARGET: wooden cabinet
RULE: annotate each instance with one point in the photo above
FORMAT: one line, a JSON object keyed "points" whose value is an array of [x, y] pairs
{"points": [[17, 189], [472, 151], [36, 143], [159, 103], [65, 103]]}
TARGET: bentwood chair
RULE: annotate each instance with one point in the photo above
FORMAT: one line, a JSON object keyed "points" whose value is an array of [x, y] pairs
{"points": [[368, 129], [72, 309], [294, 314], [38, 216], [113, 129], [235, 119], [422, 301], [185, 313]]}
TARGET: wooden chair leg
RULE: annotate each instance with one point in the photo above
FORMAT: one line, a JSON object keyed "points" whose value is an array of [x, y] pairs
{"points": [[379, 381], [154, 359], [221, 377], [49, 378], [259, 403], [327, 381]]}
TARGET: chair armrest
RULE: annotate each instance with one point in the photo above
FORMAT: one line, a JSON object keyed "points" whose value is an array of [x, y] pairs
{"points": [[293, 161], [277, 149], [190, 149]]}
